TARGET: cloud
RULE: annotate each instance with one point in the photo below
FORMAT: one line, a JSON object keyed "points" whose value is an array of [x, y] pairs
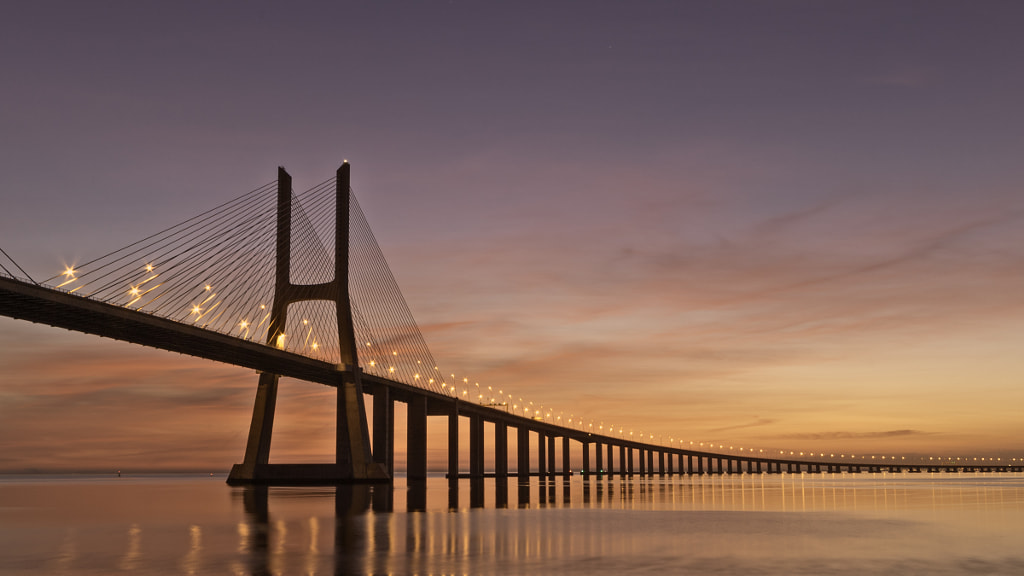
{"points": [[758, 422], [848, 435]]}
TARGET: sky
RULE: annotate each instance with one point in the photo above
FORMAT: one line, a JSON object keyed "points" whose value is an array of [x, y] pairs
{"points": [[791, 225]]}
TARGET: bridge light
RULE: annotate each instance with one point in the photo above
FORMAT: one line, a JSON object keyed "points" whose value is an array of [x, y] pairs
{"points": [[315, 345], [134, 291], [373, 362], [208, 287], [196, 309], [280, 341], [305, 322], [69, 273], [391, 369], [149, 267]]}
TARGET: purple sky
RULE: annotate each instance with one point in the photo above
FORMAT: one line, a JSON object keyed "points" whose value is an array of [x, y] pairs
{"points": [[774, 224]]}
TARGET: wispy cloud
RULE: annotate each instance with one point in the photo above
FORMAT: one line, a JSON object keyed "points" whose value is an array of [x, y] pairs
{"points": [[848, 435], [755, 424]]}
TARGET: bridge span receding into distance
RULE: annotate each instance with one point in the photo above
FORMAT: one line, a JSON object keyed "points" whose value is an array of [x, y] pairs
{"points": [[271, 348]]}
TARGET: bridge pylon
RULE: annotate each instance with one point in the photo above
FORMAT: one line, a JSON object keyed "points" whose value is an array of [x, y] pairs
{"points": [[353, 459]]}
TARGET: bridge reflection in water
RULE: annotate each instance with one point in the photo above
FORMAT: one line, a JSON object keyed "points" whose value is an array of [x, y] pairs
{"points": [[424, 527]]}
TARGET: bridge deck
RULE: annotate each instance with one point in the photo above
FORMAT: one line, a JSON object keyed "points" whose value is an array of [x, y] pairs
{"points": [[44, 305]]}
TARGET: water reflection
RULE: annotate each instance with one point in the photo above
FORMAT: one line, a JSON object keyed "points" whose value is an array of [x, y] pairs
{"points": [[130, 561], [439, 531], [827, 523]]}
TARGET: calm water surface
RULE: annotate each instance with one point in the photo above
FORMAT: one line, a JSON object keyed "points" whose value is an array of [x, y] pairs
{"points": [[749, 524]]}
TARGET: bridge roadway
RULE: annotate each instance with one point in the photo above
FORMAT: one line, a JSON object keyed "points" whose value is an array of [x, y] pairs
{"points": [[601, 454]]}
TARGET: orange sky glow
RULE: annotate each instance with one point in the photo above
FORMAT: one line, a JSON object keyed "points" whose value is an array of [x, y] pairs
{"points": [[780, 227]]}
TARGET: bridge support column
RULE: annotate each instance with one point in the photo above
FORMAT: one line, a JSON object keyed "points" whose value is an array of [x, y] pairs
{"points": [[598, 460], [586, 458], [640, 457], [551, 455], [523, 457], [566, 466], [416, 438], [257, 448], [661, 463], [629, 461], [542, 454], [500, 450], [476, 446], [453, 444], [384, 429], [623, 468], [650, 462], [610, 466]]}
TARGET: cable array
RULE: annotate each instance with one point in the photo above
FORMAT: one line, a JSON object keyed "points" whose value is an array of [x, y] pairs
{"points": [[388, 340], [214, 270], [217, 271]]}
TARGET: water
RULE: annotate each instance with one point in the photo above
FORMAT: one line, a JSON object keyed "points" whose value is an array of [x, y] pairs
{"points": [[756, 524]]}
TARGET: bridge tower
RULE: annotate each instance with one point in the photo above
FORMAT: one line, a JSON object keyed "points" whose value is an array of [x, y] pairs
{"points": [[353, 459]]}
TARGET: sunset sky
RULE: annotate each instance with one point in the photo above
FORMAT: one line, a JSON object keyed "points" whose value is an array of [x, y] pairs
{"points": [[779, 224]]}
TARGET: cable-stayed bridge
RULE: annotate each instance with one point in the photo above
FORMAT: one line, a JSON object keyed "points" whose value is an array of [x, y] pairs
{"points": [[294, 284]]}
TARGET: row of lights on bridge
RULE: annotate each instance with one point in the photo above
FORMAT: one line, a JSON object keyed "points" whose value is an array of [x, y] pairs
{"points": [[525, 408]]}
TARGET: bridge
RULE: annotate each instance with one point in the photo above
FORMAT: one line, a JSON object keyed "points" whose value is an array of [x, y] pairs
{"points": [[270, 281]]}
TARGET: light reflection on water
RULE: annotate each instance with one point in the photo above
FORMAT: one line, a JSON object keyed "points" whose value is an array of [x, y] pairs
{"points": [[765, 524]]}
